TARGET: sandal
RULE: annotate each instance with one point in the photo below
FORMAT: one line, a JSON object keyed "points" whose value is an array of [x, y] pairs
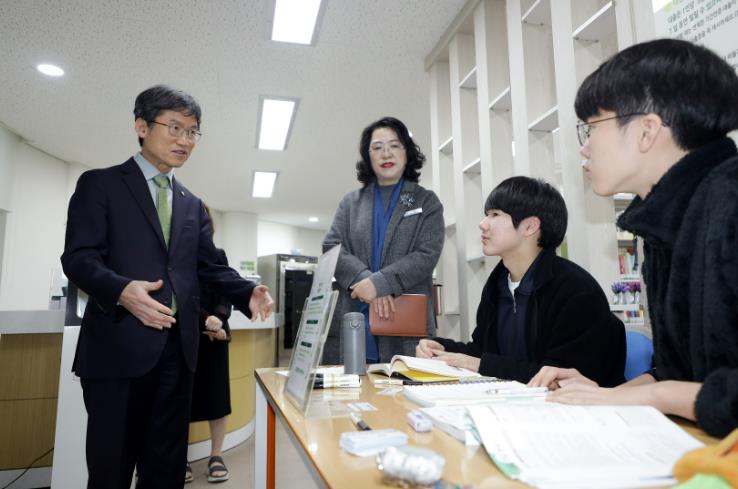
{"points": [[188, 474], [216, 464]]}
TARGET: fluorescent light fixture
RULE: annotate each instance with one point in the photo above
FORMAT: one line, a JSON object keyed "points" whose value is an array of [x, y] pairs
{"points": [[275, 122], [50, 70], [264, 181], [294, 20], [313, 219]]}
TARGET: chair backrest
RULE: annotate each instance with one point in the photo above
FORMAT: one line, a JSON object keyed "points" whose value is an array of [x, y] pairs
{"points": [[639, 354]]}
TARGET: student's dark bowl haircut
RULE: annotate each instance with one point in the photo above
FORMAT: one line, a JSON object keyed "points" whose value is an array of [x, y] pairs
{"points": [[415, 158], [692, 89], [523, 197], [152, 101]]}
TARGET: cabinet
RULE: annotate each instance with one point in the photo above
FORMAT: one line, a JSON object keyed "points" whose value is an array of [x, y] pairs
{"points": [[503, 79]]}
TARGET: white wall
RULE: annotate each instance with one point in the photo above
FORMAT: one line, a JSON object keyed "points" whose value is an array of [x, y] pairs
{"points": [[281, 238], [8, 144], [35, 189]]}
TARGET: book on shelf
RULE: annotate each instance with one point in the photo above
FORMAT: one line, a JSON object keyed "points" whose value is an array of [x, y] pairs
{"points": [[483, 391], [421, 370]]}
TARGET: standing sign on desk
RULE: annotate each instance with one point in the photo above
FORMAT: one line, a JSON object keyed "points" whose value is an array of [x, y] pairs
{"points": [[316, 318]]}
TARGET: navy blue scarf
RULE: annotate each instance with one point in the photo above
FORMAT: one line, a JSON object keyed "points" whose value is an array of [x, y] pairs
{"points": [[380, 223]]}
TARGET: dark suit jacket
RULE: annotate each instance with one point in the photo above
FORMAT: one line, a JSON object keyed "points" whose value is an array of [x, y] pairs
{"points": [[114, 236]]}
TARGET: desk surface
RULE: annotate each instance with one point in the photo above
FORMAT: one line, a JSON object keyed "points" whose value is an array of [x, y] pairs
{"points": [[318, 439]]}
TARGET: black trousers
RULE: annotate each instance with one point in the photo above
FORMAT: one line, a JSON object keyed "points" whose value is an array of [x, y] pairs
{"points": [[141, 422]]}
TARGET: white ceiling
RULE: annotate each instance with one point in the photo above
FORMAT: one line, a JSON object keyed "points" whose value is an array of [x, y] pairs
{"points": [[367, 62]]}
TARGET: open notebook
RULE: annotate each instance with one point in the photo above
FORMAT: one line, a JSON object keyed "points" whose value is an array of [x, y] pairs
{"points": [[421, 370]]}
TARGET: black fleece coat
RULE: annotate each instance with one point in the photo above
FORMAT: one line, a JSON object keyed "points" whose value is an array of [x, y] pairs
{"points": [[568, 324], [689, 225]]}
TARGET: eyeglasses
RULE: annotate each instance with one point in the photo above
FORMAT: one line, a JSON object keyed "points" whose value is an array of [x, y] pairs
{"points": [[584, 129], [379, 148], [177, 131]]}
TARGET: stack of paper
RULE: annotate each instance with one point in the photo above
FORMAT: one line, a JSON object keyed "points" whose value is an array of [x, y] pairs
{"points": [[371, 442], [455, 421], [467, 393], [551, 445]]}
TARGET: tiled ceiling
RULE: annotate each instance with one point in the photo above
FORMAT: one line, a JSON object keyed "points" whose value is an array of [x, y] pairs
{"points": [[367, 62]]}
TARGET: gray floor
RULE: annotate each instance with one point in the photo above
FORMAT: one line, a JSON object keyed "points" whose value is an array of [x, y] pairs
{"points": [[240, 461]]}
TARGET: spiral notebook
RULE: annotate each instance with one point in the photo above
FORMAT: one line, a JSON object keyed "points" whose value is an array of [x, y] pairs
{"points": [[481, 391]]}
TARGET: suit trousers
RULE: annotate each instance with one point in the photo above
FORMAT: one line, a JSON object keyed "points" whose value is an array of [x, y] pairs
{"points": [[140, 422]]}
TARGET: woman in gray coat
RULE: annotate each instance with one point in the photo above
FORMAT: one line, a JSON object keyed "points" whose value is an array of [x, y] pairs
{"points": [[391, 232]]}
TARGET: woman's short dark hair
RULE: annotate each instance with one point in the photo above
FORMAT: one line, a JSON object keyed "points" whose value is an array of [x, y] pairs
{"points": [[523, 197], [691, 88], [152, 101], [415, 158]]}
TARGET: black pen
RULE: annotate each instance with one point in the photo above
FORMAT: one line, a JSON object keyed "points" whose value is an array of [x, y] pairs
{"points": [[360, 424], [411, 382]]}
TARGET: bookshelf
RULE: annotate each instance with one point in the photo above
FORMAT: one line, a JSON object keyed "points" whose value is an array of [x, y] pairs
{"points": [[503, 78]]}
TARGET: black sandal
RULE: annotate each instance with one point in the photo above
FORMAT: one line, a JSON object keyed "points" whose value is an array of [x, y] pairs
{"points": [[216, 464]]}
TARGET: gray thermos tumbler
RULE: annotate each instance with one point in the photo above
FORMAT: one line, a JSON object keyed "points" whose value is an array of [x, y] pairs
{"points": [[353, 341]]}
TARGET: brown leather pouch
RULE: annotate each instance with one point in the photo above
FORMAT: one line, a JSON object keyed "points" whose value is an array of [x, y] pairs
{"points": [[409, 319]]}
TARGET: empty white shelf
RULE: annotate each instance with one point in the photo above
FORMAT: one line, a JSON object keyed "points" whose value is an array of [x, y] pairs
{"points": [[598, 27], [470, 80], [473, 167], [539, 13], [546, 122], [502, 102], [447, 147]]}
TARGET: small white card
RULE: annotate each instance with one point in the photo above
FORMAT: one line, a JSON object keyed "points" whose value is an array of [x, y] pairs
{"points": [[360, 406], [412, 212]]}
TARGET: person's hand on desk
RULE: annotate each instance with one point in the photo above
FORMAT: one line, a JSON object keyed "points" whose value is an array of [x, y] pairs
{"points": [[555, 377], [213, 323], [384, 306], [260, 303], [135, 297], [459, 360], [429, 349]]}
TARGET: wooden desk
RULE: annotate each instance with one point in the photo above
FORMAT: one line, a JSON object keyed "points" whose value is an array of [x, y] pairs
{"points": [[316, 440]]}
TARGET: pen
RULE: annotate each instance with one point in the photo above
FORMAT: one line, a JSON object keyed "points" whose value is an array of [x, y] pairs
{"points": [[360, 423], [411, 382]]}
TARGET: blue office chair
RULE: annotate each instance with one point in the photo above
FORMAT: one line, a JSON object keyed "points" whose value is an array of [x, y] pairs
{"points": [[639, 354]]}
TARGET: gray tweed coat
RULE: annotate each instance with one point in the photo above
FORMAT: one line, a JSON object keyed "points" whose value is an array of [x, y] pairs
{"points": [[411, 250]]}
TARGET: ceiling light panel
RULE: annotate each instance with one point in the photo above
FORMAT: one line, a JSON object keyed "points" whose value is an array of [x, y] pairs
{"points": [[294, 20], [263, 184], [275, 122]]}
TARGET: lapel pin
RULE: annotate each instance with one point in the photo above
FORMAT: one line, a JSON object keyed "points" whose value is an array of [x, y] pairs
{"points": [[182, 193]]}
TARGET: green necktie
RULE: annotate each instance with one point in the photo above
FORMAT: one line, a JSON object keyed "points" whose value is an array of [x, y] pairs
{"points": [[165, 217]]}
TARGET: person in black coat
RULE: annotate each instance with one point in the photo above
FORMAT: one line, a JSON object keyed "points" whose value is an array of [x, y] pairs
{"points": [[536, 308], [211, 393], [661, 110]]}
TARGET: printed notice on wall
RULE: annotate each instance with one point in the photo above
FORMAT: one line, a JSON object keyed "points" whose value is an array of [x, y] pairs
{"points": [[711, 23]]}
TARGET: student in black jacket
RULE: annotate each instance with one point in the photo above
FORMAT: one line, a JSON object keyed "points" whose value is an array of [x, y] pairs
{"points": [[536, 308], [655, 118]]}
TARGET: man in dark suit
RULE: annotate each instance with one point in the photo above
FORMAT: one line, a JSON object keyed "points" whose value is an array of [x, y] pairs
{"points": [[138, 242]]}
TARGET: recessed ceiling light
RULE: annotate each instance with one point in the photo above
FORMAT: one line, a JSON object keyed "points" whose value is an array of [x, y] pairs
{"points": [[294, 20], [276, 116], [263, 186], [50, 70], [313, 219]]}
